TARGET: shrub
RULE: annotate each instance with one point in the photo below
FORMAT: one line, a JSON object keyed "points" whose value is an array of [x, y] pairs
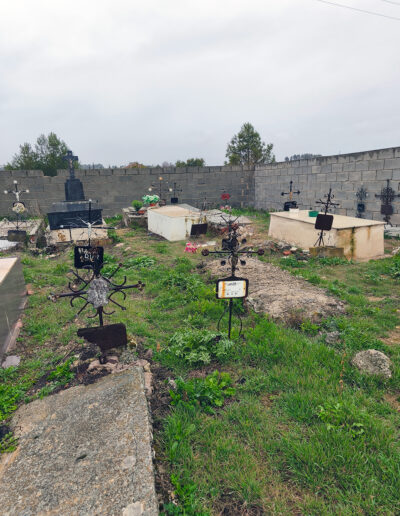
{"points": [[199, 346], [137, 205]]}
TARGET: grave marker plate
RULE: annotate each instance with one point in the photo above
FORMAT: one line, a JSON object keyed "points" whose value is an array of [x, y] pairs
{"points": [[87, 257], [230, 288], [324, 222]]}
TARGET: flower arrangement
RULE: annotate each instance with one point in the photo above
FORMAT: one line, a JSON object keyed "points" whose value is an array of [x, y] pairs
{"points": [[137, 205], [191, 247], [225, 196], [150, 199]]}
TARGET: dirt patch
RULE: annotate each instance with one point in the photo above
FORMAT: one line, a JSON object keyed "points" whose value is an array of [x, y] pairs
{"points": [[394, 337], [393, 400], [281, 295]]}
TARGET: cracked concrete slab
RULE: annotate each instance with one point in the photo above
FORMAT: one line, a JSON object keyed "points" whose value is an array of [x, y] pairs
{"points": [[84, 451]]}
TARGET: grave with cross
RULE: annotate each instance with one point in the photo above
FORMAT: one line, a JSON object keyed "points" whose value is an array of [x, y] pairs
{"points": [[290, 203], [97, 290], [324, 220], [387, 196], [19, 209], [74, 211], [232, 287], [176, 189]]}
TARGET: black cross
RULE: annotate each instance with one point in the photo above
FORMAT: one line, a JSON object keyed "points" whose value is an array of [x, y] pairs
{"points": [[327, 205], [387, 196], [290, 192], [232, 248], [71, 158]]}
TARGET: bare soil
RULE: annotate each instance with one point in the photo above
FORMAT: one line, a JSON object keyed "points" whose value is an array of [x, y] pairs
{"points": [[281, 295]]}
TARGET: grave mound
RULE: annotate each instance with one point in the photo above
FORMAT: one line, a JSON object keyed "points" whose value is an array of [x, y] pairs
{"points": [[281, 295]]}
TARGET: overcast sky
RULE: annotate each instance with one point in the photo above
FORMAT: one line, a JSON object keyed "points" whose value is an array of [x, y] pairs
{"points": [[162, 80]]}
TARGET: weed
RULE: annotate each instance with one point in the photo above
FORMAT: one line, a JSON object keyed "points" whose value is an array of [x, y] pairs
{"points": [[8, 443], [199, 346], [62, 374], [204, 393], [113, 236], [140, 262], [339, 417], [310, 328]]}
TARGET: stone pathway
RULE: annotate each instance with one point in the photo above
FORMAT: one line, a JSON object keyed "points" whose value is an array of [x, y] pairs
{"points": [[84, 451]]}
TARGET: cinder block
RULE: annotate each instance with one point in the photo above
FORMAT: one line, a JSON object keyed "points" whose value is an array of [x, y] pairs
{"points": [[376, 164], [368, 175], [392, 163]]}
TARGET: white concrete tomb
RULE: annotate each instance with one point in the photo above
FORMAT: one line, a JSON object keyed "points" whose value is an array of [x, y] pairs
{"points": [[361, 239], [173, 222]]}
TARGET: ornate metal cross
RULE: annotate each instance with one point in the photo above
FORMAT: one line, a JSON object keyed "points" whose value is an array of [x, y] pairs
{"points": [[99, 291], [160, 187], [70, 158], [231, 247], [18, 206], [328, 204], [387, 196], [361, 196]]}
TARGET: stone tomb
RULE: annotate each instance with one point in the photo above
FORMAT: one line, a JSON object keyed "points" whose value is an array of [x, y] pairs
{"points": [[360, 239], [173, 222], [33, 228], [12, 299]]}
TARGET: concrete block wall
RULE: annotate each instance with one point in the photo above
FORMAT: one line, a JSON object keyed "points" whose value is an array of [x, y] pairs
{"points": [[345, 174], [117, 188]]}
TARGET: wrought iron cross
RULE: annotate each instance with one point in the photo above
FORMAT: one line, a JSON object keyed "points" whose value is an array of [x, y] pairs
{"points": [[176, 189], [328, 203], [98, 291], [290, 192], [18, 205], [71, 158], [232, 248], [387, 196], [361, 196], [160, 187], [89, 224]]}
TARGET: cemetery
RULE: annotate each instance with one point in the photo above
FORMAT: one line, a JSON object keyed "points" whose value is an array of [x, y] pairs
{"points": [[230, 345]]}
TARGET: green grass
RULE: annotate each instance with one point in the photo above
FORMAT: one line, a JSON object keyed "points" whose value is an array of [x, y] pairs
{"points": [[301, 431]]}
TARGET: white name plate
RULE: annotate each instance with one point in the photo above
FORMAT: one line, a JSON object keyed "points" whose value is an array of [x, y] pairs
{"points": [[232, 288]]}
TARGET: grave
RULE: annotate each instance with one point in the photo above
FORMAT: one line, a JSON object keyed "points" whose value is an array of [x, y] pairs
{"points": [[361, 239], [86, 450], [12, 299], [73, 213], [174, 222], [33, 228]]}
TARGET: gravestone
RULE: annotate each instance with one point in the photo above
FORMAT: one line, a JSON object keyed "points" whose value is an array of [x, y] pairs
{"points": [[75, 211]]}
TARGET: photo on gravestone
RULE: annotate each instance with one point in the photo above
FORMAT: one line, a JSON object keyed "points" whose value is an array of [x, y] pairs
{"points": [[99, 291], [290, 203], [19, 214], [231, 254]]}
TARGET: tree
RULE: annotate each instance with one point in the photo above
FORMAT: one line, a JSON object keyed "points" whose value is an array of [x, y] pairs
{"points": [[307, 155], [191, 162], [48, 155], [246, 148], [135, 164]]}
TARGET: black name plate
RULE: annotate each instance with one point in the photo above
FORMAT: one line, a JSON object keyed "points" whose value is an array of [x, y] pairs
{"points": [[87, 257], [324, 222]]}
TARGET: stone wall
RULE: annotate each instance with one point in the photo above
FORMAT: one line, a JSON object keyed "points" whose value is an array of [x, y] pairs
{"points": [[345, 174], [117, 188]]}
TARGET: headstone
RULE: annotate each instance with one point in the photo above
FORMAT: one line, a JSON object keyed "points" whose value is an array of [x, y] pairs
{"points": [[75, 211]]}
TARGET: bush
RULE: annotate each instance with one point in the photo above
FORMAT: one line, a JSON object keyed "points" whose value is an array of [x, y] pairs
{"points": [[199, 346], [137, 205], [203, 393]]}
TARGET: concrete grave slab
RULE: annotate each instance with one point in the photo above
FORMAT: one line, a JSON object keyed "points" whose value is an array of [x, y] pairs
{"points": [[361, 239], [12, 299], [84, 451]]}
